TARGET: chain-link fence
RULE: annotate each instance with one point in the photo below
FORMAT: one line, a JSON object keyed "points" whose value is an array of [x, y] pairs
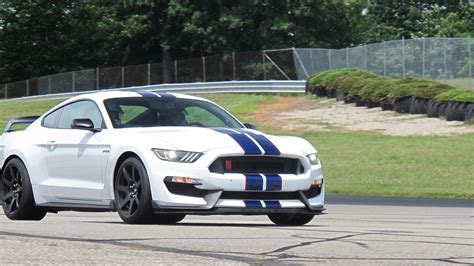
{"points": [[444, 59], [447, 60]]}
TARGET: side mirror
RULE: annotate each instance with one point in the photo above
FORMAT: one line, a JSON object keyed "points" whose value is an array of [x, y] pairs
{"points": [[250, 126], [84, 124]]}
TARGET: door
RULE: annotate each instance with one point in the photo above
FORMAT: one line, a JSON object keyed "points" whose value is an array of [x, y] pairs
{"points": [[76, 159]]}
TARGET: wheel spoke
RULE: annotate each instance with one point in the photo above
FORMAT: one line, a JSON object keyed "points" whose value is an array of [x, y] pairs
{"points": [[12, 173], [10, 208], [124, 202], [8, 195], [127, 175], [133, 173], [137, 202], [130, 206], [7, 182], [122, 188]]}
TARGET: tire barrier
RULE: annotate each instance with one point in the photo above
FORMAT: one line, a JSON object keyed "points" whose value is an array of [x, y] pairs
{"points": [[403, 105], [408, 95]]}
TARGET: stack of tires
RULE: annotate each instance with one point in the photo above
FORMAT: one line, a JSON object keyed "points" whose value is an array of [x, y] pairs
{"points": [[408, 95]]}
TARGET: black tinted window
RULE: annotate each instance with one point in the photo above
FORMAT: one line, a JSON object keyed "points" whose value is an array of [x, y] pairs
{"points": [[152, 112]]}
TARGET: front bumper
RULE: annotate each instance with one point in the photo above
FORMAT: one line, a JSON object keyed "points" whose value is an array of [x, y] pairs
{"points": [[228, 193]]}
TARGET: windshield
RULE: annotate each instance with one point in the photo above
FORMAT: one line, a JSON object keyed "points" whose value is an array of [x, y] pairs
{"points": [[153, 112]]}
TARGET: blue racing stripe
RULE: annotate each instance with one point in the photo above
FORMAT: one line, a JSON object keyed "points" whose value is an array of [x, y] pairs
{"points": [[253, 182], [272, 204], [274, 182], [264, 142], [253, 204], [167, 96], [245, 142], [147, 94]]}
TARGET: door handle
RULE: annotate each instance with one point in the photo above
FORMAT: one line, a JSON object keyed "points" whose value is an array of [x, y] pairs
{"points": [[51, 144]]}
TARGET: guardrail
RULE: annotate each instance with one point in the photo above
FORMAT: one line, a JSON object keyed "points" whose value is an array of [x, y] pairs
{"points": [[263, 86]]}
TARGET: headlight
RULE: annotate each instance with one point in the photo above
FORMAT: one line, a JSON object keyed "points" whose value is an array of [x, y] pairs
{"points": [[177, 156], [313, 158]]}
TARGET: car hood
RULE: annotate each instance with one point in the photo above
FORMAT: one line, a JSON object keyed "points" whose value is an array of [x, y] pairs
{"points": [[204, 139]]}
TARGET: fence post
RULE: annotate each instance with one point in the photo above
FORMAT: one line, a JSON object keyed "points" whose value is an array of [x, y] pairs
{"points": [[423, 58], [27, 87], [263, 66], [365, 56], [175, 71], [49, 84], [149, 73], [73, 81], [123, 77], [470, 61], [329, 59], [6, 91], [233, 66], [97, 78], [311, 59], [347, 57], [204, 69], [445, 59], [384, 60], [403, 55]]}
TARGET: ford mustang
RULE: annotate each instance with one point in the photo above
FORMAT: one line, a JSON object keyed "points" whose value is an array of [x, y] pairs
{"points": [[154, 158]]}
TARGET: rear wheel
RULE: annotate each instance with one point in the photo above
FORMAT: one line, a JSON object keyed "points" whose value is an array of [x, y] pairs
{"points": [[132, 192], [290, 218], [17, 194]]}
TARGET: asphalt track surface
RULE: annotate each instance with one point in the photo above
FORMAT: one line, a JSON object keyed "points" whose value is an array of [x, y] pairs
{"points": [[354, 230]]}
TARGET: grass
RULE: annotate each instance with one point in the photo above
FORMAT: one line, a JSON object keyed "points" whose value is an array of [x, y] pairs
{"points": [[355, 163]]}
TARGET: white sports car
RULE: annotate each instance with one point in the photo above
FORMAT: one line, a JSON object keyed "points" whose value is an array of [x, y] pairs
{"points": [[155, 157]]}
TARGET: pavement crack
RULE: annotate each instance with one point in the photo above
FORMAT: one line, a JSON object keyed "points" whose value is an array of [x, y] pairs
{"points": [[307, 243]]}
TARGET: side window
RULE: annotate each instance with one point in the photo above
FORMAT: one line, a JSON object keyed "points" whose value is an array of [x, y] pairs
{"points": [[198, 116], [82, 109], [52, 119]]}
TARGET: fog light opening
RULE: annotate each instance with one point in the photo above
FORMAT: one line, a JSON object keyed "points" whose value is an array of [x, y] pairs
{"points": [[316, 182], [183, 180]]}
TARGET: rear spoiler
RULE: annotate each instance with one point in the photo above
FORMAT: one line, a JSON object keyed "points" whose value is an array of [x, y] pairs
{"points": [[20, 120]]}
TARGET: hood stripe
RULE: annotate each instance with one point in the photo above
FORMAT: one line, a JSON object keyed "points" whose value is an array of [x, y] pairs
{"points": [[245, 142], [264, 142]]}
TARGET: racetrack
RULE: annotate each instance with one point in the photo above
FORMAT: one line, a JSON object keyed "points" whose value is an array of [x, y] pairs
{"points": [[354, 230]]}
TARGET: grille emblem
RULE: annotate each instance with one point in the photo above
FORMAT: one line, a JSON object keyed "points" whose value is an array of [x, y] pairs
{"points": [[228, 165]]}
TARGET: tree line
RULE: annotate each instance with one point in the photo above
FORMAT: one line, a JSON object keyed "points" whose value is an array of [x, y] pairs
{"points": [[42, 37]]}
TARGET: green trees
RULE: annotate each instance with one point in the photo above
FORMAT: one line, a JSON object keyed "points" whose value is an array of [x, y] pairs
{"points": [[40, 37]]}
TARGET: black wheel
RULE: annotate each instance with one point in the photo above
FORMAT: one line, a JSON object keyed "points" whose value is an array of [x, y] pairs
{"points": [[290, 218], [168, 218], [17, 194], [132, 192]]}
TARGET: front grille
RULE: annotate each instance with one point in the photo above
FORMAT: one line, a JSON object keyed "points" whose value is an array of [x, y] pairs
{"points": [[256, 164], [260, 195]]}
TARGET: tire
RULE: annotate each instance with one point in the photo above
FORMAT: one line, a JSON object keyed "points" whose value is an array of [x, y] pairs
{"points": [[168, 218], [132, 192], [288, 219], [403, 105], [17, 193]]}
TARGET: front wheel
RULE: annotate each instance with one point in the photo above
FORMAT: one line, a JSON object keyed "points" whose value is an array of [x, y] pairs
{"points": [[132, 192], [290, 218], [17, 194]]}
